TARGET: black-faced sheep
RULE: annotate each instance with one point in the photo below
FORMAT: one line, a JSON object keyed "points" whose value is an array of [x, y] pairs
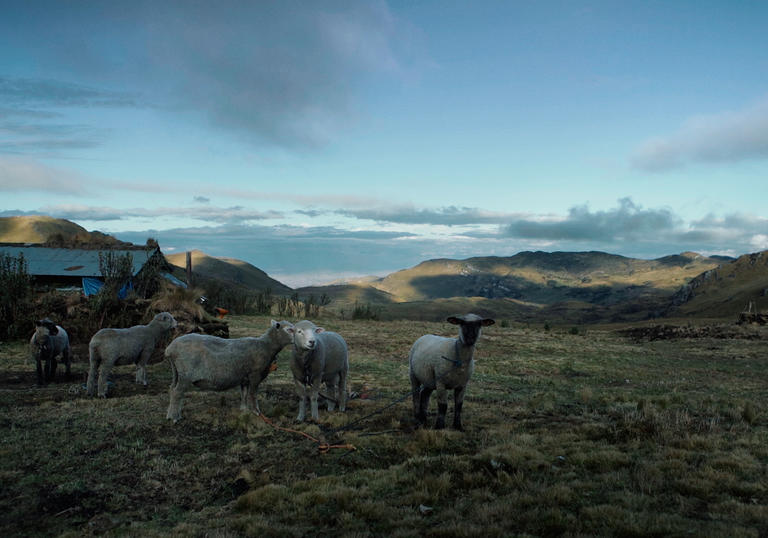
{"points": [[114, 347], [48, 342], [319, 356], [439, 363], [213, 363]]}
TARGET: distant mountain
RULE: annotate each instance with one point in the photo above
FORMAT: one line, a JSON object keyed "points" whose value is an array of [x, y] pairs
{"points": [[572, 287], [229, 270], [54, 232], [347, 294], [547, 278], [725, 290]]}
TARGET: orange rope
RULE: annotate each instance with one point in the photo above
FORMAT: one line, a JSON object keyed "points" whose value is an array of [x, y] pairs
{"points": [[322, 447]]}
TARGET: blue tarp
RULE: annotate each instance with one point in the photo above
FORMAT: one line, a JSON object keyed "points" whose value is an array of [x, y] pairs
{"points": [[175, 280], [91, 286]]}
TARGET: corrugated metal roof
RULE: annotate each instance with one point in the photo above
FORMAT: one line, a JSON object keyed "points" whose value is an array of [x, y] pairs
{"points": [[45, 261]]}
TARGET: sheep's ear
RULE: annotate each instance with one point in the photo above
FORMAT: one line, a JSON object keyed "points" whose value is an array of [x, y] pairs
{"points": [[487, 321], [454, 320], [275, 324], [52, 328], [319, 330]]}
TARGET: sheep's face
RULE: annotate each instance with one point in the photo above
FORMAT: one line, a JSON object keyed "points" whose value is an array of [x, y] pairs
{"points": [[284, 330], [42, 343], [305, 335], [45, 327], [165, 319], [470, 327], [41, 346]]}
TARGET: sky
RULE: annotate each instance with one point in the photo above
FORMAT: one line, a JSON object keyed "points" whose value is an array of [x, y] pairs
{"points": [[326, 140]]}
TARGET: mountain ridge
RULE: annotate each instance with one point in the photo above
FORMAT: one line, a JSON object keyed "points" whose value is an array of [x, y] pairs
{"points": [[580, 287]]}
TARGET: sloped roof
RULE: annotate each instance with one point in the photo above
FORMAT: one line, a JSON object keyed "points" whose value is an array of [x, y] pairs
{"points": [[72, 262]]}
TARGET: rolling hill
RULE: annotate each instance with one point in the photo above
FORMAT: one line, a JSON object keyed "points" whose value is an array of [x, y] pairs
{"points": [[346, 294], [49, 230], [229, 270], [546, 278], [725, 290]]}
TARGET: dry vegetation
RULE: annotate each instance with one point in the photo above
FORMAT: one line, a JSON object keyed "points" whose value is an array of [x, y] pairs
{"points": [[568, 432]]}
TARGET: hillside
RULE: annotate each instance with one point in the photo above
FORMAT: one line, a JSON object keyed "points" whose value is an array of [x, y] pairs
{"points": [[726, 290], [567, 287], [56, 232], [347, 294], [546, 278], [229, 270]]}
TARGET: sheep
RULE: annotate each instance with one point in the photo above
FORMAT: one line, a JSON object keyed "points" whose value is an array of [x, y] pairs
{"points": [[48, 342], [443, 363], [134, 345], [213, 363], [319, 356]]}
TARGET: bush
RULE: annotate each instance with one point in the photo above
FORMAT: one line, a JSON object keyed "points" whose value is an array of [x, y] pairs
{"points": [[366, 311], [15, 292]]}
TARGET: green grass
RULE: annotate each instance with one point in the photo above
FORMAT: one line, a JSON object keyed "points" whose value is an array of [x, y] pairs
{"points": [[576, 434]]}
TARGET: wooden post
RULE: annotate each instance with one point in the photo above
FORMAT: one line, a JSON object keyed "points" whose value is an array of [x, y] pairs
{"points": [[189, 269]]}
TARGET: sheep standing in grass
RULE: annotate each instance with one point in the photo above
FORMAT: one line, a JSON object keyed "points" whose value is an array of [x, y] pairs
{"points": [[439, 363], [48, 342], [319, 356], [212, 363], [114, 347]]}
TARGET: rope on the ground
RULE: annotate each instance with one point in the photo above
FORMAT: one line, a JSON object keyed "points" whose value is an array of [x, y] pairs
{"points": [[322, 446]]}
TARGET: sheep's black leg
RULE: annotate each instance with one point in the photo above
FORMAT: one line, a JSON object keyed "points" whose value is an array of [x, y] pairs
{"points": [[421, 416], [53, 365], [458, 398], [40, 375], [442, 408]]}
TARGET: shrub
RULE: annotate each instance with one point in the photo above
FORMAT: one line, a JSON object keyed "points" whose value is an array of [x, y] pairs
{"points": [[366, 311], [15, 291]]}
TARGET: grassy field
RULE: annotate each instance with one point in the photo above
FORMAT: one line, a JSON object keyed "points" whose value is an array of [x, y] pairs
{"points": [[569, 432]]}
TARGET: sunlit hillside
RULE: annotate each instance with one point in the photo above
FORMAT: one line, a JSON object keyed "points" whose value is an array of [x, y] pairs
{"points": [[546, 278], [728, 289], [58, 232], [229, 270]]}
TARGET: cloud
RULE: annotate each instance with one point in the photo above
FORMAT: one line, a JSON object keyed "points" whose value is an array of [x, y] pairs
{"points": [[628, 221], [234, 214], [723, 138], [201, 199], [27, 92], [311, 212], [30, 121], [279, 73], [24, 175], [447, 216]]}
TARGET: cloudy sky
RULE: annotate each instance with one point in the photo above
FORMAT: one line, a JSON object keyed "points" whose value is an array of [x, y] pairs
{"points": [[320, 140]]}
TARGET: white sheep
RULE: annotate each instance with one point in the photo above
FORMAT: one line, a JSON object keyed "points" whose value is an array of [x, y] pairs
{"points": [[114, 347], [48, 342], [212, 363], [443, 363], [319, 356]]}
